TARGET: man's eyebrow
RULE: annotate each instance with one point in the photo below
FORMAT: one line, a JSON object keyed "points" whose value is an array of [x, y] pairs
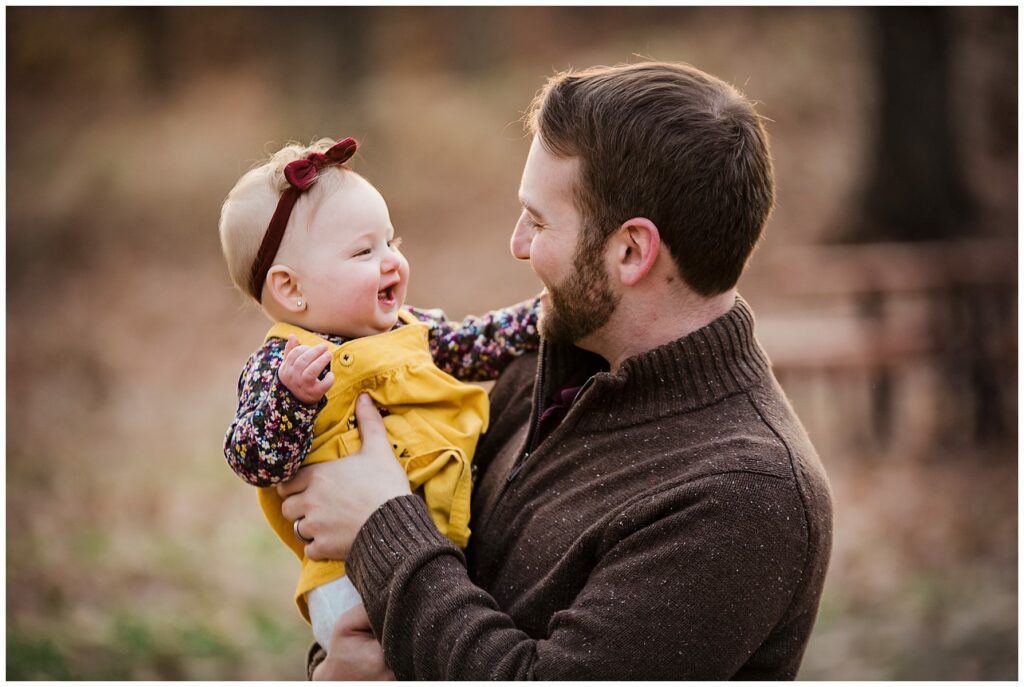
{"points": [[532, 210]]}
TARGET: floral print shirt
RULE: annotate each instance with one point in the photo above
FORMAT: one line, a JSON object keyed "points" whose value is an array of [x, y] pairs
{"points": [[273, 430]]}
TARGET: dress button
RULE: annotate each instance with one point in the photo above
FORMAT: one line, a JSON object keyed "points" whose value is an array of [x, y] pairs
{"points": [[347, 359]]}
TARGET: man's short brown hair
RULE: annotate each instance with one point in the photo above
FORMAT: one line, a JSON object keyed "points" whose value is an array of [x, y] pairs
{"points": [[669, 143]]}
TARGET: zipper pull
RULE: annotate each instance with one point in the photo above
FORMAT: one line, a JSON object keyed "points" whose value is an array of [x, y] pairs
{"points": [[518, 467]]}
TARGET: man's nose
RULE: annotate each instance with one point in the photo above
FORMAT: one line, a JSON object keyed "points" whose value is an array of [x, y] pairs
{"points": [[520, 242]]}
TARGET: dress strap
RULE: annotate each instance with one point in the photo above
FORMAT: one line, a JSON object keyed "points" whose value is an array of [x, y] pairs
{"points": [[406, 317], [281, 330]]}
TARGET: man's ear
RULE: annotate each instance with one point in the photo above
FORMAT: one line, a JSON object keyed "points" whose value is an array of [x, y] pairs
{"points": [[282, 287], [635, 247]]}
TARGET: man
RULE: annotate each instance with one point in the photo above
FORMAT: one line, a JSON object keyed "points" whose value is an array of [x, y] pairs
{"points": [[648, 505]]}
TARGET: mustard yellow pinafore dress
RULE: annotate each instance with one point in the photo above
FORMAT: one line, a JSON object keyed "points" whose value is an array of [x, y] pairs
{"points": [[433, 421]]}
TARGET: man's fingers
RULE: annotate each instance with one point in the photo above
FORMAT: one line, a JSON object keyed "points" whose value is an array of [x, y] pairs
{"points": [[312, 550], [371, 425], [354, 654], [293, 508], [296, 484], [319, 549], [353, 621]]}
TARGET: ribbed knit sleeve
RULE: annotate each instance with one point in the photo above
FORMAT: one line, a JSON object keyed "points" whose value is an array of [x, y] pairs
{"points": [[398, 533], [686, 583]]}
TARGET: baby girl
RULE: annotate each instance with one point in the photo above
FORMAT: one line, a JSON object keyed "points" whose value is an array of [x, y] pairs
{"points": [[334, 284]]}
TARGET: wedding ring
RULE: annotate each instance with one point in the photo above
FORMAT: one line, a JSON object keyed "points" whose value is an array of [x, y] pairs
{"points": [[298, 535]]}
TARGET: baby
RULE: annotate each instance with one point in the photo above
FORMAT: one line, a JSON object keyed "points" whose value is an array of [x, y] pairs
{"points": [[334, 284]]}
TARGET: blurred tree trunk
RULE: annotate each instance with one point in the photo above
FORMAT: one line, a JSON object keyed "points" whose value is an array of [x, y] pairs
{"points": [[915, 189], [475, 40], [152, 24]]}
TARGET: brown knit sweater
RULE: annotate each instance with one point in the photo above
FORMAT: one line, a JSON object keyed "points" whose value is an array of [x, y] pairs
{"points": [[676, 525]]}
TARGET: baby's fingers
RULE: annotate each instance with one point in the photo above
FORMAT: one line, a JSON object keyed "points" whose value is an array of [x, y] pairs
{"points": [[300, 355], [323, 385], [290, 345], [312, 370], [304, 356]]}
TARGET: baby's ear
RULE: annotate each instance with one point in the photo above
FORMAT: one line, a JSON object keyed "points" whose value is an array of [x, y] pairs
{"points": [[283, 288]]}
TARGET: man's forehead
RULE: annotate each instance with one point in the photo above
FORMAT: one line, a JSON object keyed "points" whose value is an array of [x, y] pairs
{"points": [[546, 178]]}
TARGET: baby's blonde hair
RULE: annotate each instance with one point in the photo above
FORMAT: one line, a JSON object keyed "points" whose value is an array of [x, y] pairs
{"points": [[247, 210]]}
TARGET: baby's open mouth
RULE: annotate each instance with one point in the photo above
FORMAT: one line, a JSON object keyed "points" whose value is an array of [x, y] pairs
{"points": [[386, 296]]}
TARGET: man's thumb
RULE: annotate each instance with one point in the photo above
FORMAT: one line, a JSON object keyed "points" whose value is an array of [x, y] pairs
{"points": [[371, 425]]}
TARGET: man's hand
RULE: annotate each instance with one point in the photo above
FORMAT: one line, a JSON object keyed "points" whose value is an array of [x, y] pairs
{"points": [[300, 370], [354, 654], [335, 498]]}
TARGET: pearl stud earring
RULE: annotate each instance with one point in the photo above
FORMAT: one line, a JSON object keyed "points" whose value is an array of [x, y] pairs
{"points": [[298, 303]]}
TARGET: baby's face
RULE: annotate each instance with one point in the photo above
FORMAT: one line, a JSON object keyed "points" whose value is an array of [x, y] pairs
{"points": [[353, 279]]}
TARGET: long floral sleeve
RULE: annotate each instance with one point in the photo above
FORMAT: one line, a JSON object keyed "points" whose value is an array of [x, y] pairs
{"points": [[272, 430], [480, 348]]}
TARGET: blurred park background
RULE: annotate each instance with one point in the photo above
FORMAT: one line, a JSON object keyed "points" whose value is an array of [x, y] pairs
{"points": [[885, 289]]}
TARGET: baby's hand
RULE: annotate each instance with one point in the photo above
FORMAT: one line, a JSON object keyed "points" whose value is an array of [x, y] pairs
{"points": [[301, 367]]}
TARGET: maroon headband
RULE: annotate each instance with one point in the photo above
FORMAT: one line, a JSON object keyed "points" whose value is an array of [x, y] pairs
{"points": [[301, 174]]}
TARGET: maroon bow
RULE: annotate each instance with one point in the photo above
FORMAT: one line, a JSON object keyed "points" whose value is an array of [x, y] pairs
{"points": [[300, 174]]}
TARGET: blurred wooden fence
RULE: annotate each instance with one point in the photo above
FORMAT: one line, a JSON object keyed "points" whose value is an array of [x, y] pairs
{"points": [[874, 312]]}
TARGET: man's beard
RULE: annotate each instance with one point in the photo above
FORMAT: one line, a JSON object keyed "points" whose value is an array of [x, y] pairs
{"points": [[581, 304]]}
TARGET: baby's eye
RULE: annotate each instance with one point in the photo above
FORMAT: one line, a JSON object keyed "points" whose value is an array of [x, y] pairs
{"points": [[395, 242], [364, 251]]}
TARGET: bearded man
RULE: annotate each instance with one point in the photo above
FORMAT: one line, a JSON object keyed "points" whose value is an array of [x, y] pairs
{"points": [[648, 505]]}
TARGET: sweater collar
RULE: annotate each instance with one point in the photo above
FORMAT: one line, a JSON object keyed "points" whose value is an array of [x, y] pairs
{"points": [[718, 360]]}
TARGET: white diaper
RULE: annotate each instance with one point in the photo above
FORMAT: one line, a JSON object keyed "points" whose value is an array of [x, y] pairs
{"points": [[326, 603]]}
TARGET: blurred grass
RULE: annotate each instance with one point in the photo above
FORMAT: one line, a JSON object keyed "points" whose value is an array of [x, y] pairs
{"points": [[923, 579], [134, 553]]}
